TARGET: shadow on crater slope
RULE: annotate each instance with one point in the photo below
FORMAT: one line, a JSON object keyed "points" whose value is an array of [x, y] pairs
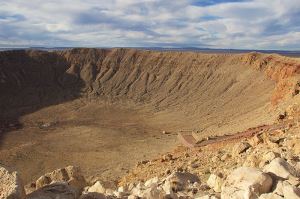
{"points": [[30, 80]]}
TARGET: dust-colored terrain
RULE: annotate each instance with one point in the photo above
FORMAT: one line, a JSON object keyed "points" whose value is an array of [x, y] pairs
{"points": [[104, 110]]}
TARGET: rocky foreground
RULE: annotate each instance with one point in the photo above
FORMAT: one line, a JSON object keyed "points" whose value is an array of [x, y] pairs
{"points": [[266, 166]]}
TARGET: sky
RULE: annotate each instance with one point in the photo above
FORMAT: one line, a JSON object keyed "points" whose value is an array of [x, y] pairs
{"points": [[234, 24]]}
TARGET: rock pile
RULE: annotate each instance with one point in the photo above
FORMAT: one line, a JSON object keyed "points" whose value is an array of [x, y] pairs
{"points": [[277, 179], [71, 175]]}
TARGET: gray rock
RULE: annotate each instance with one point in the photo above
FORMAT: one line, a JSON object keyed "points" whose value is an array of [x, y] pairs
{"points": [[58, 190]]}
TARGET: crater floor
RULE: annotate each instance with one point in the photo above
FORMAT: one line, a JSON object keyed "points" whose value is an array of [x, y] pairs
{"points": [[104, 140]]}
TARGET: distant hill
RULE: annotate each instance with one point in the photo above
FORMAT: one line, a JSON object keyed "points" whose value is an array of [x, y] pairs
{"points": [[289, 53]]}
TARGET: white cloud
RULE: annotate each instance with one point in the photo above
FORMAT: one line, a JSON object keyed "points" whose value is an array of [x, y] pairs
{"points": [[254, 24]]}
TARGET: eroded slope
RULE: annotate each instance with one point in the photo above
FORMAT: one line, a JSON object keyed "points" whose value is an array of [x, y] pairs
{"points": [[191, 84]]}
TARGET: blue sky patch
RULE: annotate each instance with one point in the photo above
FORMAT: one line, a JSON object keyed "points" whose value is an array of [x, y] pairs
{"points": [[214, 2]]}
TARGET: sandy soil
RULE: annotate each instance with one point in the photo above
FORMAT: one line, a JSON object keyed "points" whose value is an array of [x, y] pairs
{"points": [[104, 141]]}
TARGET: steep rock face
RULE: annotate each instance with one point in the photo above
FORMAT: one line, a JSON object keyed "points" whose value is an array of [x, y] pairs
{"points": [[160, 77], [285, 71]]}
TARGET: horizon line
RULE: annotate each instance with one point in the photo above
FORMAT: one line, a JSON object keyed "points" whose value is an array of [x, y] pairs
{"points": [[145, 47]]}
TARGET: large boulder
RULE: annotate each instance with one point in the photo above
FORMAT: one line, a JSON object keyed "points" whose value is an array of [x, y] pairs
{"points": [[11, 186], [281, 168], [71, 174], [57, 190], [245, 182]]}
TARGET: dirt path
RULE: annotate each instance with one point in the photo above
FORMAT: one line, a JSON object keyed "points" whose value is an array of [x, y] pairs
{"points": [[189, 140]]}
